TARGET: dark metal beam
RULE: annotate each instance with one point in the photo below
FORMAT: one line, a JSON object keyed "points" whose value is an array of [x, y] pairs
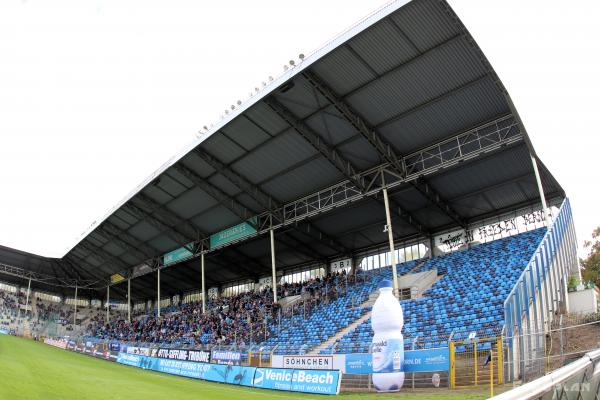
{"points": [[335, 158], [179, 224], [223, 198], [123, 245], [92, 269], [126, 240], [69, 269], [382, 147], [406, 216], [103, 254], [170, 231], [436, 198], [233, 205], [267, 201], [237, 179], [20, 273]]}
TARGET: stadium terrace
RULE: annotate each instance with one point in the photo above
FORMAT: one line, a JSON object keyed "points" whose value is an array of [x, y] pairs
{"points": [[393, 153]]}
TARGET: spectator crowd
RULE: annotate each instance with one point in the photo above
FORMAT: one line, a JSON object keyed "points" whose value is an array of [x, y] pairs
{"points": [[249, 317]]}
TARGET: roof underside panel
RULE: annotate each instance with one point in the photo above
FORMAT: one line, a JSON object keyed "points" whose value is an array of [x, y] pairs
{"points": [[284, 151], [452, 114], [305, 179], [409, 79]]}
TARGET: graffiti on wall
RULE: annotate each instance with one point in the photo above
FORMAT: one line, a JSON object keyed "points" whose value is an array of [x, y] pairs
{"points": [[453, 241]]}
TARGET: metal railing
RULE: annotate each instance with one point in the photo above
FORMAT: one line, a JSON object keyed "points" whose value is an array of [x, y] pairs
{"points": [[538, 295], [578, 380]]}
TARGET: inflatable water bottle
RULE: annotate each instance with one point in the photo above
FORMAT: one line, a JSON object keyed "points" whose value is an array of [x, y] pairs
{"points": [[388, 343]]}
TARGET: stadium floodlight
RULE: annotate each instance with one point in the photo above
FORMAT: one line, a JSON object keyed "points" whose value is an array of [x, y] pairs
{"points": [[285, 67], [226, 111], [264, 84], [292, 63], [301, 56], [232, 107], [205, 128], [239, 102], [270, 78]]}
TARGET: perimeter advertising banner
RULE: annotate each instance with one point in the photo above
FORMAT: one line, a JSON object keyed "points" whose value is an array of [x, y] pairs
{"points": [[308, 362], [181, 354], [306, 381], [138, 350], [427, 360], [226, 357], [431, 360], [333, 361], [60, 343]]}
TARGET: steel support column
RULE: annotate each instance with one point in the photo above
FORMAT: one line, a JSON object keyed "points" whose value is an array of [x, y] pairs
{"points": [[541, 190], [75, 308], [273, 266], [27, 298], [431, 246], [158, 294], [388, 219], [203, 285], [107, 304], [129, 300]]}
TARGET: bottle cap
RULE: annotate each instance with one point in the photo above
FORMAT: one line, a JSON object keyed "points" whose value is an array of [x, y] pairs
{"points": [[386, 283]]}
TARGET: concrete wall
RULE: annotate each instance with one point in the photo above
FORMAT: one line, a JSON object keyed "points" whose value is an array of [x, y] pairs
{"points": [[583, 302], [421, 281]]}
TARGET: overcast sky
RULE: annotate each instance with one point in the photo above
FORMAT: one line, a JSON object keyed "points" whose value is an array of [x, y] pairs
{"points": [[95, 95]]}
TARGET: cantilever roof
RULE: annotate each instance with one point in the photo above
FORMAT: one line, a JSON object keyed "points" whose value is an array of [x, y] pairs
{"points": [[407, 91]]}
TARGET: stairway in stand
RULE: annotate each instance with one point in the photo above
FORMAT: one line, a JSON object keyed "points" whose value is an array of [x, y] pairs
{"points": [[338, 335], [369, 303]]}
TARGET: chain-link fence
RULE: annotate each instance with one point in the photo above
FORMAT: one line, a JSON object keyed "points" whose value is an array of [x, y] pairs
{"points": [[579, 380], [568, 338]]}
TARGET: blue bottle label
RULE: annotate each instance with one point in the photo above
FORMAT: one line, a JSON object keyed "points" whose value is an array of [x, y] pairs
{"points": [[388, 355]]}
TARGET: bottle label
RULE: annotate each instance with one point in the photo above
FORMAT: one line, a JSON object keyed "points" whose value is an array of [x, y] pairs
{"points": [[388, 355]]}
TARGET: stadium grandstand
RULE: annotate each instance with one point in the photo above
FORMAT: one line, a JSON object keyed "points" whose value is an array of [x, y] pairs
{"points": [[393, 153]]}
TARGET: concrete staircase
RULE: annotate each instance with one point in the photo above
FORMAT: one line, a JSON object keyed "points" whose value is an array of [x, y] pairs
{"points": [[339, 334], [416, 267], [369, 303]]}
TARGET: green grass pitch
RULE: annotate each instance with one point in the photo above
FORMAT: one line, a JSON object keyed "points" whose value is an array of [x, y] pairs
{"points": [[34, 371]]}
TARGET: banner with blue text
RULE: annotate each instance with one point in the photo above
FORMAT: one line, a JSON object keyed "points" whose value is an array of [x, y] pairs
{"points": [[306, 381]]}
